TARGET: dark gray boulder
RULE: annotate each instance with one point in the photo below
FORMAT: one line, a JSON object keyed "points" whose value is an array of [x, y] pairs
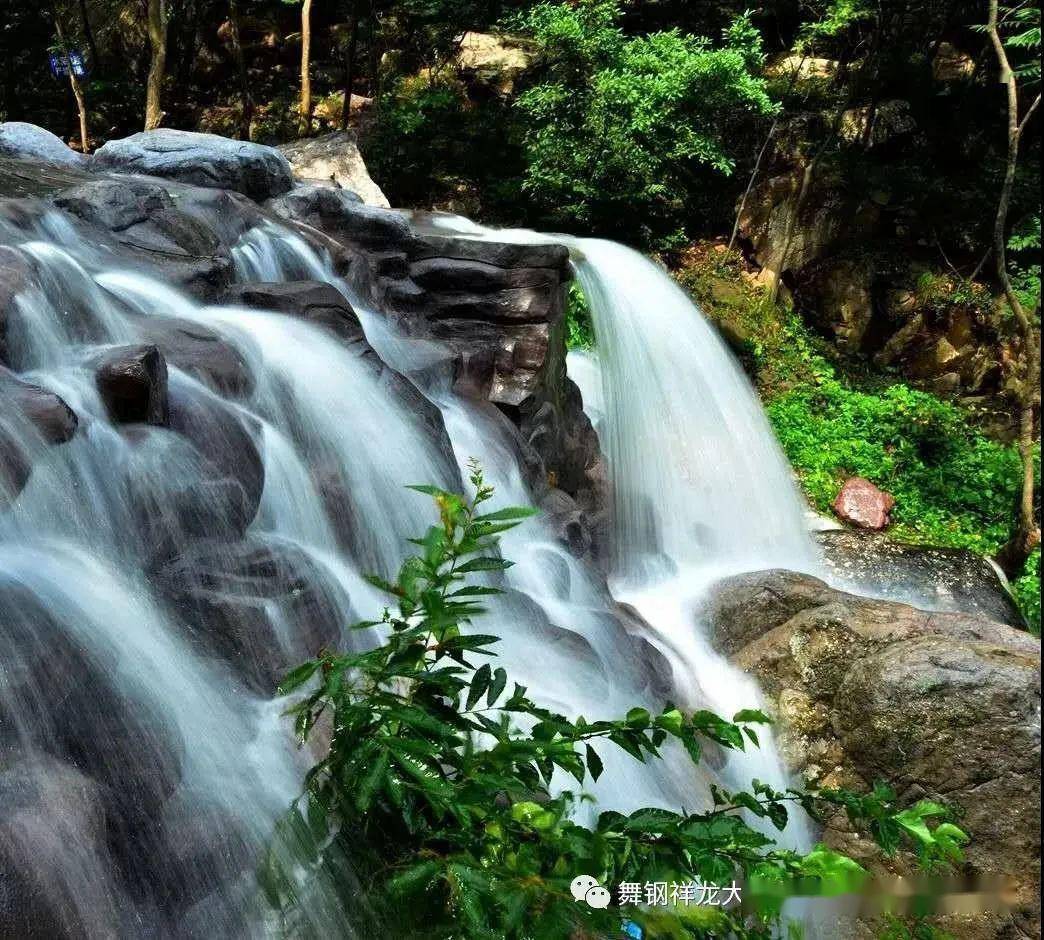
{"points": [[339, 213], [56, 882], [31, 419], [201, 352], [15, 277], [53, 420], [258, 605], [174, 229], [747, 606], [132, 382], [946, 579], [201, 477], [207, 160], [28, 142], [311, 301]]}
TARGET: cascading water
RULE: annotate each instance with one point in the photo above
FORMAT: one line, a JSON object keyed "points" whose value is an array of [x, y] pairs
{"points": [[701, 488], [176, 765]]}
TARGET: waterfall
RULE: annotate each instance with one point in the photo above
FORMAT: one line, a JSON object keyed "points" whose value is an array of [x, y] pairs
{"points": [[699, 479], [150, 580]]}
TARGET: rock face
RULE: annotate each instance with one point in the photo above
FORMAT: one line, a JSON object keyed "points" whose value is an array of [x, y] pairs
{"points": [[311, 301], [190, 236], [53, 852], [200, 159], [944, 706], [15, 277], [862, 504], [202, 353], [956, 580], [334, 158], [29, 142], [886, 122], [499, 307], [493, 63]]}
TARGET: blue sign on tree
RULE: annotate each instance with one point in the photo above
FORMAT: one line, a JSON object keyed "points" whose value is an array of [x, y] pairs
{"points": [[76, 63], [62, 63], [59, 67]]}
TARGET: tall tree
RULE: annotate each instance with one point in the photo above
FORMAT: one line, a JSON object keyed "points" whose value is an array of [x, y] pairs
{"points": [[306, 66], [156, 23], [1027, 532], [246, 115], [349, 63]]}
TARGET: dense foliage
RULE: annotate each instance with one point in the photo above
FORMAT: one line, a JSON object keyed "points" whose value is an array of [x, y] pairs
{"points": [[445, 784], [626, 131]]}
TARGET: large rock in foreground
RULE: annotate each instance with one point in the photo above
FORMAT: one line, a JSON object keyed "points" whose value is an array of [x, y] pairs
{"points": [[201, 159], [942, 706], [28, 142]]}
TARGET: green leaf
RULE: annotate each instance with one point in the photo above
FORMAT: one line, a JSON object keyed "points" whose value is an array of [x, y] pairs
{"points": [[511, 512], [751, 716], [414, 879], [298, 677], [594, 763], [484, 564], [638, 718], [476, 590], [497, 685], [479, 684], [371, 781], [426, 489]]}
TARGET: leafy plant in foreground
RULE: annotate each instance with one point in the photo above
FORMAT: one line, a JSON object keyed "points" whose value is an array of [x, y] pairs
{"points": [[443, 782]]}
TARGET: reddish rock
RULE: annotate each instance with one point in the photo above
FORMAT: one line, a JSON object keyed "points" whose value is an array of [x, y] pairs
{"points": [[862, 504]]}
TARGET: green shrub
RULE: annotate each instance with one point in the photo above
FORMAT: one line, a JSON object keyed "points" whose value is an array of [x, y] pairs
{"points": [[624, 134], [436, 783]]}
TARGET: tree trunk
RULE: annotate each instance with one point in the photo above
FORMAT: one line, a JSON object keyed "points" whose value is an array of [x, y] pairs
{"points": [[75, 85], [81, 106], [349, 68], [375, 56], [306, 66], [1027, 530], [247, 113], [761, 155], [157, 27], [89, 34]]}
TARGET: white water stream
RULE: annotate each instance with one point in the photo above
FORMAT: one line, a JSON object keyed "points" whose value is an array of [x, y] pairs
{"points": [[701, 490]]}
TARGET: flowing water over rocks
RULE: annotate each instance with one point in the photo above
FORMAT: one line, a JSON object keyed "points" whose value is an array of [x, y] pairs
{"points": [[209, 410]]}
